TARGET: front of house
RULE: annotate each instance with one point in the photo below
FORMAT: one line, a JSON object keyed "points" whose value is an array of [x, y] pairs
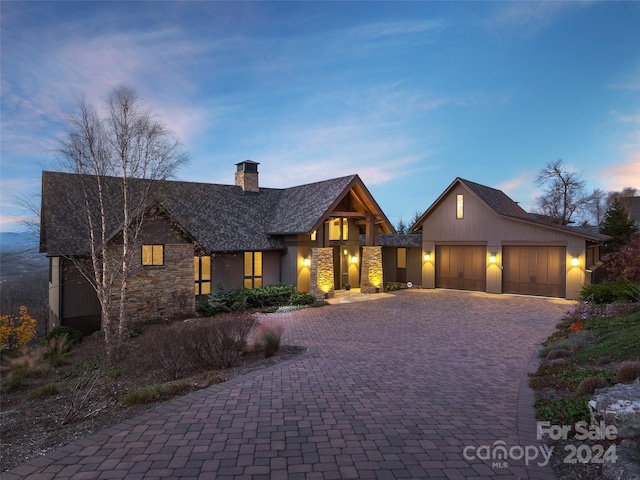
{"points": [[202, 237], [319, 237]]}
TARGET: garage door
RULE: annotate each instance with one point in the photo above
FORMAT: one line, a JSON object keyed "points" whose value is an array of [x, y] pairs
{"points": [[534, 271], [461, 267]]}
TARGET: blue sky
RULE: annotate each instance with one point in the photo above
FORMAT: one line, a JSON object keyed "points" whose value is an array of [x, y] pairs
{"points": [[409, 95]]}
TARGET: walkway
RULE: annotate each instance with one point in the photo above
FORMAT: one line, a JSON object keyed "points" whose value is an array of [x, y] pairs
{"points": [[392, 388]]}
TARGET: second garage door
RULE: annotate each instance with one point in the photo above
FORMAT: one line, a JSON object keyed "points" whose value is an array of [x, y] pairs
{"points": [[534, 270], [461, 267]]}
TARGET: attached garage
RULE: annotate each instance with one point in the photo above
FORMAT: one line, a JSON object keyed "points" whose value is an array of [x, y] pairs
{"points": [[475, 237], [534, 270], [461, 267]]}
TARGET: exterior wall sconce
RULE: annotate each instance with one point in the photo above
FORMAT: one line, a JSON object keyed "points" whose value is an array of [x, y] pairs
{"points": [[354, 259], [345, 251], [492, 258], [306, 262], [427, 257], [575, 261]]}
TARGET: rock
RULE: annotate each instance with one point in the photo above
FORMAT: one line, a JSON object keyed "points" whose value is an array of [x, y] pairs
{"points": [[619, 406], [627, 463]]}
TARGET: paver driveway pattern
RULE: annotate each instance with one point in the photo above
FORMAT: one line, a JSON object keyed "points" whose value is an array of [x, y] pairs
{"points": [[391, 388]]}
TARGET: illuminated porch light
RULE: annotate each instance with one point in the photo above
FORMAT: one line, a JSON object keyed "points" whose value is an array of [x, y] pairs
{"points": [[492, 258], [575, 261], [427, 257], [306, 262], [354, 259]]}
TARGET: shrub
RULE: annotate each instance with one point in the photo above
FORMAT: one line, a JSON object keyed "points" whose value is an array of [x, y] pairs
{"points": [[575, 341], [218, 343], [74, 335], [268, 338], [559, 353], [153, 393], [244, 299], [301, 298], [17, 370], [169, 349], [562, 411], [132, 332], [628, 372], [44, 391], [16, 331], [591, 384], [610, 292], [56, 350]]}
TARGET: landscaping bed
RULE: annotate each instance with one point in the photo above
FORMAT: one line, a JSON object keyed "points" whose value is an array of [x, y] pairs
{"points": [[48, 404], [595, 346]]}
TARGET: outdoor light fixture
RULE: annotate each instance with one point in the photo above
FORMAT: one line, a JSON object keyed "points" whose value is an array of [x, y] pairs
{"points": [[427, 256], [492, 258], [345, 251], [354, 259], [575, 261], [306, 262]]}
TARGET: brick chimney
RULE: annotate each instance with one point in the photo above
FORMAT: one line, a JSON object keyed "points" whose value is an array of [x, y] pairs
{"points": [[247, 176]]}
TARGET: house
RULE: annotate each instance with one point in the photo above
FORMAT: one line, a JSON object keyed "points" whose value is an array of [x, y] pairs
{"points": [[198, 237], [475, 237]]}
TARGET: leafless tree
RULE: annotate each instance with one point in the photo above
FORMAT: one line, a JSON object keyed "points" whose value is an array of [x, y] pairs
{"points": [[564, 195], [597, 205], [120, 154]]}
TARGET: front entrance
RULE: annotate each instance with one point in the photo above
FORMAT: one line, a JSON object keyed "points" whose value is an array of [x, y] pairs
{"points": [[346, 266]]}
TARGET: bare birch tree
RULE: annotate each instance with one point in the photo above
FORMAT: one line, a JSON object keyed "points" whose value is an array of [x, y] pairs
{"points": [[120, 156]]}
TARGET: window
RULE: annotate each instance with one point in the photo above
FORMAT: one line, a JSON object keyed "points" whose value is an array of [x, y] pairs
{"points": [[460, 206], [252, 269], [402, 258], [314, 235], [152, 254], [202, 275], [339, 229]]}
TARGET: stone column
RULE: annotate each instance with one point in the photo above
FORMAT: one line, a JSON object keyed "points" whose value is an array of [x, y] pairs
{"points": [[322, 282], [371, 276]]}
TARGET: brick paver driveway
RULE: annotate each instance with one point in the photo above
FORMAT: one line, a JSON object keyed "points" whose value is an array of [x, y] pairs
{"points": [[391, 388]]}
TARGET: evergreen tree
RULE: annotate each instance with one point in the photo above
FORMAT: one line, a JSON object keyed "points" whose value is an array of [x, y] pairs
{"points": [[402, 227], [618, 225]]}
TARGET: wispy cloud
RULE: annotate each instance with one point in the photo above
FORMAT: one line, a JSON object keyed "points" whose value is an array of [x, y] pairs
{"points": [[525, 17]]}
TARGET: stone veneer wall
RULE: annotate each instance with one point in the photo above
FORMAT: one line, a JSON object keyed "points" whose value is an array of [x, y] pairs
{"points": [[322, 281], [163, 291], [371, 280], [248, 181]]}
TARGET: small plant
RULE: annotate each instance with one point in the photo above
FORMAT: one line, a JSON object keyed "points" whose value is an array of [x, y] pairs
{"points": [[154, 393], [97, 335], [591, 384], [114, 372], [74, 335], [16, 331], [132, 332], [575, 341], [268, 338], [56, 350], [17, 370], [628, 372], [44, 391], [562, 411]]}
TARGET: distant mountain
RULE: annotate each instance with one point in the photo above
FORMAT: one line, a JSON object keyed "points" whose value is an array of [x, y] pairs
{"points": [[20, 241], [19, 254]]}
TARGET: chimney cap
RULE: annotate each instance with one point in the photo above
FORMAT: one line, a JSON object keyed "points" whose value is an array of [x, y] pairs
{"points": [[248, 166]]}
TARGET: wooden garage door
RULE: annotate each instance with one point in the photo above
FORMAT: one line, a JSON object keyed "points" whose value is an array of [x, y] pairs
{"points": [[461, 267], [534, 271]]}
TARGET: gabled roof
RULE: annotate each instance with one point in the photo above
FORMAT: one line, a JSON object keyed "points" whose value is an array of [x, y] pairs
{"points": [[219, 217], [504, 206]]}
